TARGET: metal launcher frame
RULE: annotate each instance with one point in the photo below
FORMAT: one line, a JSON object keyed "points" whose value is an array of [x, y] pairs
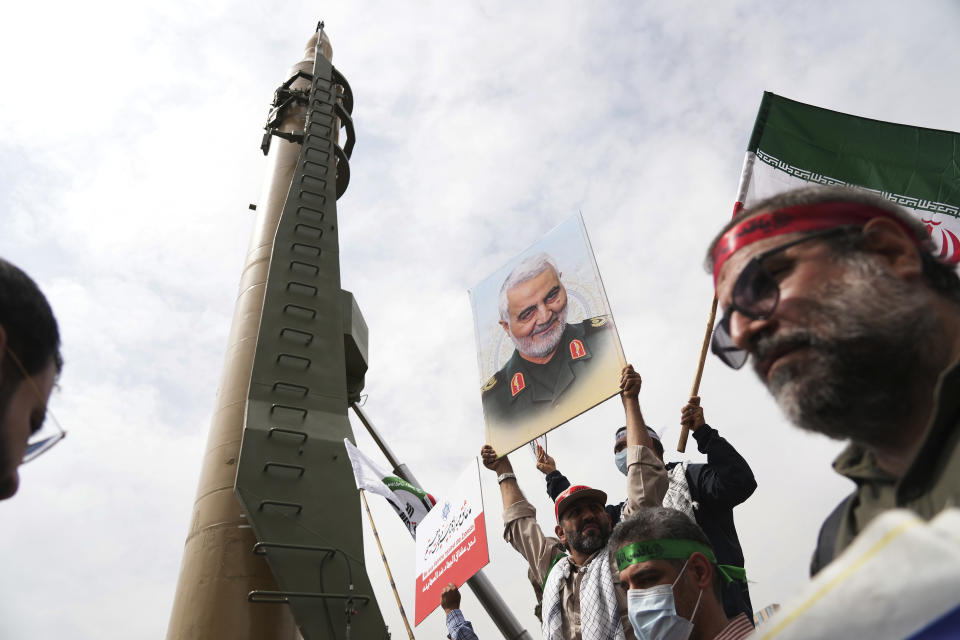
{"points": [[294, 479]]}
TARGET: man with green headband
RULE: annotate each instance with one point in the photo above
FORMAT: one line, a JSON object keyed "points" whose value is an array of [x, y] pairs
{"points": [[851, 316], [673, 582]]}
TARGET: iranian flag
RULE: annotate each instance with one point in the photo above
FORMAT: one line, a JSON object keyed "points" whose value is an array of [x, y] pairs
{"points": [[795, 144], [411, 503]]}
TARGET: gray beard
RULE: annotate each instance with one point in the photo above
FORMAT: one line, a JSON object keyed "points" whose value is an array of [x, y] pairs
{"points": [[542, 345], [587, 544], [869, 353]]}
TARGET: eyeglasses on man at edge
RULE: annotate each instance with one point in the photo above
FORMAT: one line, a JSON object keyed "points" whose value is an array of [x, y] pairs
{"points": [[755, 294], [50, 432]]}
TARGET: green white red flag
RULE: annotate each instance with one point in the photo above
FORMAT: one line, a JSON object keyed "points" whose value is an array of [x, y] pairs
{"points": [[795, 144], [411, 503]]}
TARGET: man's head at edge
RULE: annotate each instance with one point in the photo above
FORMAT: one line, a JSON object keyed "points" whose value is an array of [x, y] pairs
{"points": [[855, 323], [28, 331]]}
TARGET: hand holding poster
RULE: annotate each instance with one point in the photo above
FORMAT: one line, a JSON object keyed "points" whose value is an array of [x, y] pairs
{"points": [[451, 542], [547, 345]]}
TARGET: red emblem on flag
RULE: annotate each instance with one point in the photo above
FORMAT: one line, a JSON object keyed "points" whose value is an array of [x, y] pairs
{"points": [[949, 242], [517, 384], [577, 350]]}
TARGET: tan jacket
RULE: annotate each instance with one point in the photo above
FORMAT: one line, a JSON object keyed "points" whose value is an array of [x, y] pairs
{"points": [[646, 485]]}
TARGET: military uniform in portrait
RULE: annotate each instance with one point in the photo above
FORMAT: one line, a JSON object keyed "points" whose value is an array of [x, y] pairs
{"points": [[521, 388]]}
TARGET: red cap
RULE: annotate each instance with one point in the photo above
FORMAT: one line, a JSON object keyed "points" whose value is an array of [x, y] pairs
{"points": [[575, 494]]}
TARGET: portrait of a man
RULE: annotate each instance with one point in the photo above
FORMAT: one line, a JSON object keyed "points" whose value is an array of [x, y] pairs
{"points": [[562, 362]]}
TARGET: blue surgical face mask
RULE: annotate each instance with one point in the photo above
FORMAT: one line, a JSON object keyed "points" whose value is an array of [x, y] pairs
{"points": [[620, 457], [653, 613]]}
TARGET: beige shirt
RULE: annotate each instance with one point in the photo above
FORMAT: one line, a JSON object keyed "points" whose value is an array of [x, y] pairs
{"points": [[646, 485]]}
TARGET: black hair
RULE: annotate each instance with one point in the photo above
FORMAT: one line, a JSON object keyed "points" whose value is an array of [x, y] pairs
{"points": [[27, 319], [658, 448]]}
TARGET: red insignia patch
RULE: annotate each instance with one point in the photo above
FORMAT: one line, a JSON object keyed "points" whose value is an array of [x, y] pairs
{"points": [[577, 350], [517, 384]]}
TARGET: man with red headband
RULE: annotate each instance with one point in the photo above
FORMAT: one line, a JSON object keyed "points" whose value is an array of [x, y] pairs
{"points": [[582, 597], [853, 324]]}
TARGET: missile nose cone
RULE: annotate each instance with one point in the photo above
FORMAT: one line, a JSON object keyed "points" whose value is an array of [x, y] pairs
{"points": [[324, 46]]}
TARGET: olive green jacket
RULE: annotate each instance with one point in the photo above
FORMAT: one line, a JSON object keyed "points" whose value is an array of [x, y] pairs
{"points": [[931, 484]]}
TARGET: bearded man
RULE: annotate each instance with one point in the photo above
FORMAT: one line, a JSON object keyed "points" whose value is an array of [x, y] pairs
{"points": [[853, 323], [582, 595], [549, 354]]}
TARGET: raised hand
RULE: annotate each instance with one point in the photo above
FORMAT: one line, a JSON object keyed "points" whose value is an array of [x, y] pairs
{"points": [[545, 463]]}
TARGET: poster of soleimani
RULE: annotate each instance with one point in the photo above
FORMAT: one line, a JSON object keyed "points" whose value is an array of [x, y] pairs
{"points": [[547, 346]]}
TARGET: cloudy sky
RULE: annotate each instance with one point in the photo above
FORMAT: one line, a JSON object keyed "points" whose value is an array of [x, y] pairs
{"points": [[129, 155]]}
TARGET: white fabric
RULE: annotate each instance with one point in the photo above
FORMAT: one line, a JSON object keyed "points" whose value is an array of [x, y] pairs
{"points": [[369, 477], [678, 493], [599, 613], [766, 180], [900, 575]]}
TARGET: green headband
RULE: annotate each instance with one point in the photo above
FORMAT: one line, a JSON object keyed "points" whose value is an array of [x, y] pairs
{"points": [[637, 552]]}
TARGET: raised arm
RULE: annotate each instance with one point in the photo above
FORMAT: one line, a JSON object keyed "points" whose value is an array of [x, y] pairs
{"points": [[557, 483], [520, 526], [726, 480], [646, 476], [509, 488], [630, 383]]}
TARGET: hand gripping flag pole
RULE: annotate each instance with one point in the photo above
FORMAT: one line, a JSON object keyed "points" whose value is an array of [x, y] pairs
{"points": [[403, 614], [745, 174], [795, 144]]}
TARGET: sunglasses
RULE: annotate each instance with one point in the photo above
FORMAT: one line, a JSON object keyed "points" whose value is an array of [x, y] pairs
{"points": [[756, 294], [50, 432]]}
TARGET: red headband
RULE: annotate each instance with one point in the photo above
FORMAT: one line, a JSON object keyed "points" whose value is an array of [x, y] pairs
{"points": [[812, 217]]}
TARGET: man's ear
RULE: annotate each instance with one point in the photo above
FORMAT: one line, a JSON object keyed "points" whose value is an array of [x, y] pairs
{"points": [[701, 571], [561, 535], [506, 327], [895, 246]]}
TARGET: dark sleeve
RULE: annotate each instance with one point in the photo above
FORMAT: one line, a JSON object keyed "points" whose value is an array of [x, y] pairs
{"points": [[726, 480], [557, 483], [615, 511], [827, 538]]}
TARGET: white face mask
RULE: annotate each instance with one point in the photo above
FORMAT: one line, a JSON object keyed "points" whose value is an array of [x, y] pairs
{"points": [[653, 613], [620, 458]]}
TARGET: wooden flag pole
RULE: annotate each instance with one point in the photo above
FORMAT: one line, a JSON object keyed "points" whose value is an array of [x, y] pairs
{"points": [[684, 431], [403, 614], [745, 174]]}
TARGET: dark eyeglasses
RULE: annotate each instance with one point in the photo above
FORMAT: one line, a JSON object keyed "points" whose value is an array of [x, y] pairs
{"points": [[756, 294]]}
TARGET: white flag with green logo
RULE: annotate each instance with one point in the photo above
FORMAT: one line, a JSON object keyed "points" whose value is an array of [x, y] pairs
{"points": [[410, 502], [795, 144]]}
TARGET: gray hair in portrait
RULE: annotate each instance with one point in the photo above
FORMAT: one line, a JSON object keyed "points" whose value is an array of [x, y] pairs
{"points": [[528, 269]]}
